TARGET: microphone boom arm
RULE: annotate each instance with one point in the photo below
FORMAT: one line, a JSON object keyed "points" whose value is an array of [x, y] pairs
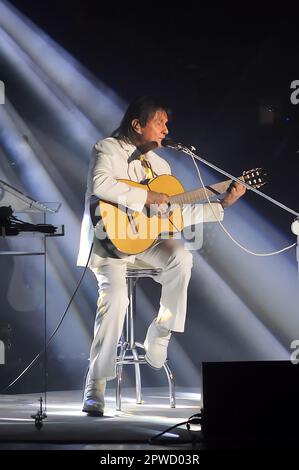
{"points": [[188, 151]]}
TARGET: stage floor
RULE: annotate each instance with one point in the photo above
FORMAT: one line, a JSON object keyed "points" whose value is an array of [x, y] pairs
{"points": [[67, 427]]}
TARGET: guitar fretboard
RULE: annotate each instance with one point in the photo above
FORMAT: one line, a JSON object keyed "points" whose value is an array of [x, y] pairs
{"points": [[196, 195]]}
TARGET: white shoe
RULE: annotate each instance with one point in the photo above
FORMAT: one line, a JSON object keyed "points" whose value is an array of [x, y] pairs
{"points": [[93, 407], [94, 397], [156, 344]]}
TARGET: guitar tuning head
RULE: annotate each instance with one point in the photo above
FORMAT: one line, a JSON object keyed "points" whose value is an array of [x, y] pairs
{"points": [[255, 177]]}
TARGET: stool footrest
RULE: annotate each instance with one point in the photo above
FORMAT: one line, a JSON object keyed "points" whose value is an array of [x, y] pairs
{"points": [[127, 347], [129, 360]]}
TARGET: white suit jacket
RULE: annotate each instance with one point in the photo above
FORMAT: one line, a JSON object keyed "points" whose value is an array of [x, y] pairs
{"points": [[109, 162]]}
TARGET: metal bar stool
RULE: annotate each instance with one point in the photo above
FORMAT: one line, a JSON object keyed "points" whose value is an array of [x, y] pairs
{"points": [[128, 353]]}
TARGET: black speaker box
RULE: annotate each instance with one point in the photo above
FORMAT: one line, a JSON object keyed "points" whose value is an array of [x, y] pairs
{"points": [[253, 402]]}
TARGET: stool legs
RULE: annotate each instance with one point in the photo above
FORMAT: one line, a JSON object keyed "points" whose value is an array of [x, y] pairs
{"points": [[137, 376], [129, 345], [119, 369], [170, 379]]}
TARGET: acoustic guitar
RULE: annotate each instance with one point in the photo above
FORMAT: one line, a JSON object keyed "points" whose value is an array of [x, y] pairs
{"points": [[131, 232]]}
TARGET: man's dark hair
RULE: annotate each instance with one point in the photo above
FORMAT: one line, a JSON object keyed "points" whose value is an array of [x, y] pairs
{"points": [[143, 109]]}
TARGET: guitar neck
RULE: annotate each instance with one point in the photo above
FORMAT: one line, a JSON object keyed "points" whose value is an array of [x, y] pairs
{"points": [[196, 195]]}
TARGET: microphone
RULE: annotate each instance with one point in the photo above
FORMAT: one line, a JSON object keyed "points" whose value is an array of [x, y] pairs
{"points": [[176, 145], [171, 144]]}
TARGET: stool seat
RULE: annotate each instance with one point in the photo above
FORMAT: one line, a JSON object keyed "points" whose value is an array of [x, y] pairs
{"points": [[142, 269], [128, 353]]}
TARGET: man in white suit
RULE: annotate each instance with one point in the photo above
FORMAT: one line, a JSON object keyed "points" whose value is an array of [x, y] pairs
{"points": [[145, 121]]}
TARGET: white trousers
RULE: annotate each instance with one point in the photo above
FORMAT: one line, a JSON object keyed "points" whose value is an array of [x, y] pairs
{"points": [[176, 264]]}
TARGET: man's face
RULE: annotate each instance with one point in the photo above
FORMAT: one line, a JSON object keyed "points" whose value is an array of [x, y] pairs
{"points": [[155, 128]]}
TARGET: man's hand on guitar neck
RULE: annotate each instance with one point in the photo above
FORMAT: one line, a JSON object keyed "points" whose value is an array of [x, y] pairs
{"points": [[234, 192]]}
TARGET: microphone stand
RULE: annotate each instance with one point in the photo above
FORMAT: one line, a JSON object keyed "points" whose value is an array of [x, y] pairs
{"points": [[190, 152]]}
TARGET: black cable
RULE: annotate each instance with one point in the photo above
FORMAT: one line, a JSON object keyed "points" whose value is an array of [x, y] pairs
{"points": [[151, 439], [54, 332], [194, 419]]}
